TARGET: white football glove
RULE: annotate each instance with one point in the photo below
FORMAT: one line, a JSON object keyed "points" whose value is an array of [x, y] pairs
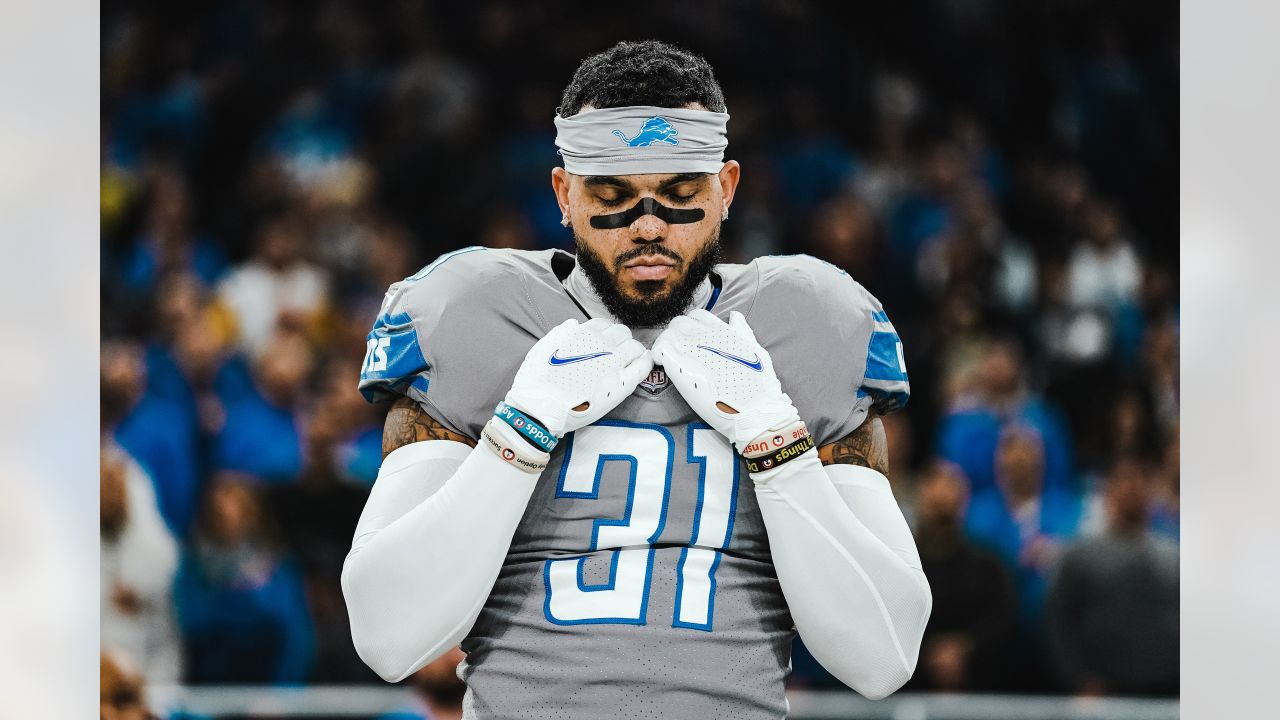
{"points": [[716, 364], [595, 363]]}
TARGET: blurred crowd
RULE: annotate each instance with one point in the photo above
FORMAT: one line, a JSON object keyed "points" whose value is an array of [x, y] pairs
{"points": [[1001, 175]]}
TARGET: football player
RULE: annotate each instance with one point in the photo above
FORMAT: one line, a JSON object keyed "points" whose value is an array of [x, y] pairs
{"points": [[624, 479]]}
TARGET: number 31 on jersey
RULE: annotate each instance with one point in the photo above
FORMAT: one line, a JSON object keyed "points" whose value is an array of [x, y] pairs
{"points": [[648, 451]]}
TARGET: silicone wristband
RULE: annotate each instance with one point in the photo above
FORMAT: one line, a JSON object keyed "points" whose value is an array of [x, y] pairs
{"points": [[781, 456], [503, 440], [775, 440], [531, 429]]}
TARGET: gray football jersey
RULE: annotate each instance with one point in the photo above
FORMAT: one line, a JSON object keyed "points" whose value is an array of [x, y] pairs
{"points": [[639, 582]]}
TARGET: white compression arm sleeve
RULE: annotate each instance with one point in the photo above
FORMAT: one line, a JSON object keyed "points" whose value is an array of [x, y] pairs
{"points": [[849, 569], [427, 550]]}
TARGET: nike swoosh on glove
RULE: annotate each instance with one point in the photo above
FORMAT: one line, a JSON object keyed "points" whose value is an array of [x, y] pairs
{"points": [[596, 363], [714, 364]]}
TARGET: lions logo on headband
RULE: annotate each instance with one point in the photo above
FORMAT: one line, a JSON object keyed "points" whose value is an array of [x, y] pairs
{"points": [[593, 142], [655, 130]]}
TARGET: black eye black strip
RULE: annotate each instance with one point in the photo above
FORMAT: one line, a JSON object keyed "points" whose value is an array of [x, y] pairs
{"points": [[647, 206]]}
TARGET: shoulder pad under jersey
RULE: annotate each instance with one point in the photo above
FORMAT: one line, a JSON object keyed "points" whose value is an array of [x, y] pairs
{"points": [[835, 350]]}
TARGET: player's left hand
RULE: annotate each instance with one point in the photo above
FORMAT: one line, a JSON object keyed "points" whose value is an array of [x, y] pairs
{"points": [[725, 375]]}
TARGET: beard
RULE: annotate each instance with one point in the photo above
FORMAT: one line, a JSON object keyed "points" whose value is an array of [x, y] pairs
{"points": [[654, 307]]}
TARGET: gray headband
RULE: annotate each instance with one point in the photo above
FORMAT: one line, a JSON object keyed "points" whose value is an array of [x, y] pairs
{"points": [[642, 139]]}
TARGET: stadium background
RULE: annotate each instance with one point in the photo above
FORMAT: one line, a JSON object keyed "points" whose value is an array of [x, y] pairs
{"points": [[1000, 174]]}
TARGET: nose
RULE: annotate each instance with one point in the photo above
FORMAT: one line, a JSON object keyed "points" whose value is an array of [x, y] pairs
{"points": [[648, 228]]}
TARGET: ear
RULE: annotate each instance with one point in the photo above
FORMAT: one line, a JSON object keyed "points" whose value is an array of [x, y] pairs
{"points": [[729, 176], [560, 185]]}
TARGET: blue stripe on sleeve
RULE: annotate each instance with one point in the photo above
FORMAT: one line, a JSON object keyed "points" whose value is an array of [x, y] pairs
{"points": [[393, 360], [884, 359], [885, 379]]}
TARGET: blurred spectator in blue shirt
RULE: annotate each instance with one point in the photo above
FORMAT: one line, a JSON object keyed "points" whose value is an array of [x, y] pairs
{"points": [[969, 434], [177, 319], [168, 111], [241, 604], [261, 435], [815, 162], [168, 243], [188, 363], [155, 431], [1026, 524], [924, 211]]}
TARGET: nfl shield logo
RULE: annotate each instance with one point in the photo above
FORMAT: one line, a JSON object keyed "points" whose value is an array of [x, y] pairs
{"points": [[656, 382]]}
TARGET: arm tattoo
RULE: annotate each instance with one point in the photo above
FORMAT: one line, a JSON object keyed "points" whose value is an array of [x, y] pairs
{"points": [[867, 446], [408, 423]]}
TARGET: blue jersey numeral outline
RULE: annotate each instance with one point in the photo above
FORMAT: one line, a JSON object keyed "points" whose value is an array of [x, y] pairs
{"points": [[602, 460], [693, 456]]}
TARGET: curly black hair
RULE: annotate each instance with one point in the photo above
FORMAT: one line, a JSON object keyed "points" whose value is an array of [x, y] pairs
{"points": [[649, 72]]}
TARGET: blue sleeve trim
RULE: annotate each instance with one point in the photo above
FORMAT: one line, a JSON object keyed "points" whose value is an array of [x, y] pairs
{"points": [[884, 358], [393, 360], [885, 378]]}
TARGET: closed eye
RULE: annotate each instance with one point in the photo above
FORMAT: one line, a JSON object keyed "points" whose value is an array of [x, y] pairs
{"points": [[612, 200], [685, 187]]}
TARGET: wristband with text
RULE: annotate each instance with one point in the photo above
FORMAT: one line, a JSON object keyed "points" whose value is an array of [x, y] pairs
{"points": [[782, 455], [775, 440], [531, 429], [509, 445]]}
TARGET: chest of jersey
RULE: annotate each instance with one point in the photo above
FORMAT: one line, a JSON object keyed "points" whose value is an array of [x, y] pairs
{"points": [[648, 490]]}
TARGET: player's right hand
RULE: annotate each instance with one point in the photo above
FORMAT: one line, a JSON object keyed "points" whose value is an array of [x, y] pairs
{"points": [[577, 373]]}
